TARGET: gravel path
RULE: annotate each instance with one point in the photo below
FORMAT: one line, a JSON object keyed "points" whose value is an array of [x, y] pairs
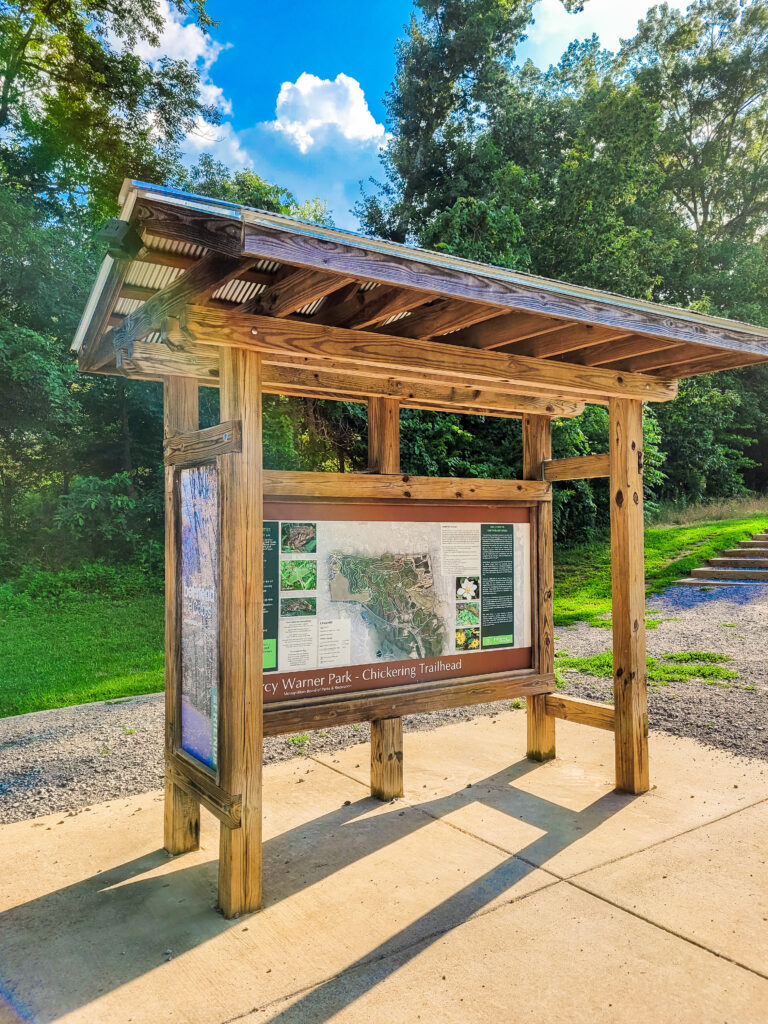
{"points": [[66, 759]]}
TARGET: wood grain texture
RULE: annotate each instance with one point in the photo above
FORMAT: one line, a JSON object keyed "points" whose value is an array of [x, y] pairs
{"points": [[611, 351], [366, 308], [194, 285], [181, 810], [505, 329], [329, 379], [583, 712], [284, 483], [583, 467], [566, 340], [628, 596], [202, 445], [165, 220], [387, 733], [303, 714], [537, 448], [387, 758], [203, 790], [93, 353], [441, 317], [241, 602], [491, 285], [271, 336], [293, 291]]}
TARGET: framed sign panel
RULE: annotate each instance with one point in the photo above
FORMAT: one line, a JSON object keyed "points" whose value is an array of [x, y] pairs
{"points": [[362, 597], [198, 585]]}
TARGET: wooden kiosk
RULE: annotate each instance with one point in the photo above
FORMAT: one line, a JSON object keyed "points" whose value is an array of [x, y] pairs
{"points": [[200, 292]]}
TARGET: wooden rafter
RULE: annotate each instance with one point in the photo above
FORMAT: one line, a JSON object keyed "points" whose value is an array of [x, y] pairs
{"points": [[292, 338], [506, 328], [610, 351], [195, 285], [441, 317], [295, 289], [366, 308], [566, 340]]}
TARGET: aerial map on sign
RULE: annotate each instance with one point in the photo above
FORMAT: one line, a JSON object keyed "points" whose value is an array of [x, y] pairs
{"points": [[399, 606], [350, 604]]}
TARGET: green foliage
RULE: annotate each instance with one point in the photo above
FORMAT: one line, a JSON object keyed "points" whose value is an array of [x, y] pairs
{"points": [[694, 668], [80, 650]]}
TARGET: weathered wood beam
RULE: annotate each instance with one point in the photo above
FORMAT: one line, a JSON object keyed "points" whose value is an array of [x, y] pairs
{"points": [[181, 815], [581, 467], [281, 483], [709, 364], [163, 258], [195, 285], [610, 351], [506, 289], [364, 309], [329, 379], [566, 340], [537, 448], [291, 292], [219, 234], [199, 445], [505, 329], [93, 353], [274, 337], [583, 712], [671, 356], [441, 317], [628, 595]]}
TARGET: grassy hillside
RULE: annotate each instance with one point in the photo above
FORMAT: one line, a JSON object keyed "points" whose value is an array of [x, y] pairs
{"points": [[56, 652], [583, 573]]}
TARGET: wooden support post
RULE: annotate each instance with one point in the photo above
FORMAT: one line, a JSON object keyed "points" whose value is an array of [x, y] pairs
{"points": [[386, 733], [182, 810], [241, 633], [537, 446], [628, 595]]}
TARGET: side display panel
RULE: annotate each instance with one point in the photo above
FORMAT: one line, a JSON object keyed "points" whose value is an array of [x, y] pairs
{"points": [[199, 612], [402, 596]]}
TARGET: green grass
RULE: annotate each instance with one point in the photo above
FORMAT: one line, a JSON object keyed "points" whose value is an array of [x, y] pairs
{"points": [[94, 648], [670, 668], [583, 573]]}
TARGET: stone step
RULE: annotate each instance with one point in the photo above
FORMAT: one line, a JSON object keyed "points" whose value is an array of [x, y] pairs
{"points": [[753, 552], [729, 574], [739, 563], [688, 582], [748, 545]]}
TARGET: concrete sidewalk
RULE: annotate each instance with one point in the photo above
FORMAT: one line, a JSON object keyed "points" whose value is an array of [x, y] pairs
{"points": [[497, 891]]}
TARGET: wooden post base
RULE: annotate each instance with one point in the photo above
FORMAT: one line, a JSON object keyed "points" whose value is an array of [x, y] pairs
{"points": [[541, 729], [182, 820], [387, 758], [240, 867]]}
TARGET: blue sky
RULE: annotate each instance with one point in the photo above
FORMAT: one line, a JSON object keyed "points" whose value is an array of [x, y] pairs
{"points": [[301, 89]]}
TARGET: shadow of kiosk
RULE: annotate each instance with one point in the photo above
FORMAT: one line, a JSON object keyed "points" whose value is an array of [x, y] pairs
{"points": [[197, 291]]}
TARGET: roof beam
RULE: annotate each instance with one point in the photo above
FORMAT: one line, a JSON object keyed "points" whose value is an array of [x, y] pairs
{"points": [[710, 363], [296, 289], [220, 234], [447, 276], [440, 318], [610, 351], [504, 329], [274, 337], [366, 308], [151, 361], [195, 285], [566, 340]]}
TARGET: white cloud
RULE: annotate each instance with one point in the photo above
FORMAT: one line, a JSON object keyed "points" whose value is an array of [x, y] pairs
{"points": [[221, 141], [316, 111], [183, 40], [554, 28]]}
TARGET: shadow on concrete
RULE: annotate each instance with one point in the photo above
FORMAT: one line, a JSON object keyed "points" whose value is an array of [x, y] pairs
{"points": [[66, 948]]}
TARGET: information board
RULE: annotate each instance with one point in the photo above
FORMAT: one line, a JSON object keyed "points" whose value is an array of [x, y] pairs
{"points": [[365, 597], [199, 611]]}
